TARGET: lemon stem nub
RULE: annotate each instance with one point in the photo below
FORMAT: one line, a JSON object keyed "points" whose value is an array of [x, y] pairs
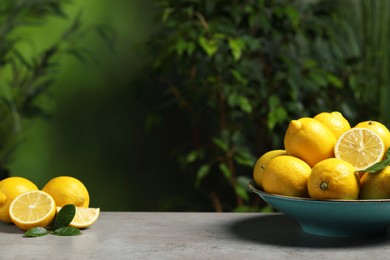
{"points": [[324, 186]]}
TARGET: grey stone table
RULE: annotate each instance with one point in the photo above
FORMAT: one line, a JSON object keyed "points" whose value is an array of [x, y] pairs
{"points": [[138, 235]]}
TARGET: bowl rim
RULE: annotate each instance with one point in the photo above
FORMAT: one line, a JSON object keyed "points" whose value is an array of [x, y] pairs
{"points": [[253, 187]]}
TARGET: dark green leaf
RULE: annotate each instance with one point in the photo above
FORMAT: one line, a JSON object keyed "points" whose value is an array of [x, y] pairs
{"points": [[202, 172], [221, 144], [64, 216], [242, 160], [387, 156], [36, 232], [21, 58], [67, 231], [108, 35], [241, 191], [334, 80], [225, 170], [378, 166]]}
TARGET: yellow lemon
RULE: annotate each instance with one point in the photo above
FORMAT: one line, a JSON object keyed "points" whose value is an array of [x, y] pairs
{"points": [[261, 163], [32, 209], [379, 128], [375, 185], [67, 190], [333, 179], [10, 188], [309, 140], [286, 175], [361, 147], [335, 121], [84, 217]]}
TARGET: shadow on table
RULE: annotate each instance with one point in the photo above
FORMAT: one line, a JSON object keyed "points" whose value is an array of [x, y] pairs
{"points": [[9, 228], [282, 230]]}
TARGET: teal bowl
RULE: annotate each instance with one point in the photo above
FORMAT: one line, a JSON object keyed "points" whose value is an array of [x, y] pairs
{"points": [[335, 218]]}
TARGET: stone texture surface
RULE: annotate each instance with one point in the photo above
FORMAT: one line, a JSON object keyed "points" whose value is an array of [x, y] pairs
{"points": [[151, 235]]}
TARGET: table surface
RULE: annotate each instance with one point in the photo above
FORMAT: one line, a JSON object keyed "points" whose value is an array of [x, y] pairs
{"points": [[152, 235]]}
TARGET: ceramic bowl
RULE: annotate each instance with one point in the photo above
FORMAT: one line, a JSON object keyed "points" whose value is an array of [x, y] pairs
{"points": [[337, 218]]}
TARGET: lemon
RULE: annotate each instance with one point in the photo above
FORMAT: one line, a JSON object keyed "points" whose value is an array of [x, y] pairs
{"points": [[361, 147], [67, 190], [32, 209], [335, 121], [286, 175], [375, 185], [10, 188], [333, 179], [261, 163], [379, 129], [309, 140], [84, 217]]}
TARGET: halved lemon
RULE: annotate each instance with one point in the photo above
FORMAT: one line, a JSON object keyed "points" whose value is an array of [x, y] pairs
{"points": [[361, 147], [84, 217], [32, 209]]}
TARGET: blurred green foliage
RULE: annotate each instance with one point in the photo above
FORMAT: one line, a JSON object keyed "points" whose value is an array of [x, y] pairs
{"points": [[26, 78], [239, 71]]}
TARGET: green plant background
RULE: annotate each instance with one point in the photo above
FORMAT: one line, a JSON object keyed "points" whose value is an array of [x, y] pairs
{"points": [[195, 91], [92, 133]]}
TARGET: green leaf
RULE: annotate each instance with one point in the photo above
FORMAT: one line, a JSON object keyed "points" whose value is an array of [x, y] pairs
{"points": [[221, 144], [236, 46], [244, 181], [238, 76], [335, 81], [180, 47], [67, 231], [36, 232], [225, 170], [267, 209], [293, 15], [202, 172], [208, 45], [242, 160], [242, 102], [379, 165], [167, 12], [191, 157], [277, 113], [318, 78], [64, 216], [245, 104], [21, 58], [241, 191]]}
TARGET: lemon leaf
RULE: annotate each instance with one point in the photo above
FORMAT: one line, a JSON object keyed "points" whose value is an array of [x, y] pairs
{"points": [[65, 216], [67, 231], [36, 232], [379, 165]]}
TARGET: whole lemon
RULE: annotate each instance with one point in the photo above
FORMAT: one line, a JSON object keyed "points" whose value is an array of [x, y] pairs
{"points": [[309, 140], [335, 121], [375, 185], [67, 190], [10, 188], [286, 175], [261, 163], [379, 128], [333, 179]]}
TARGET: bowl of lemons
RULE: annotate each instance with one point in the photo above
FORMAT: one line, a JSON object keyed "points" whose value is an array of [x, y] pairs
{"points": [[335, 218], [333, 179]]}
